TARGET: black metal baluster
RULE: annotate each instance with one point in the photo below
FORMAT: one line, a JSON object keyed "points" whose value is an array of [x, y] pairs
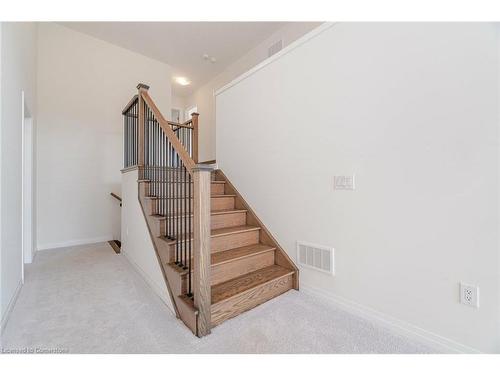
{"points": [[170, 206], [128, 140], [188, 235], [134, 161], [162, 172], [162, 177], [191, 218], [174, 211], [146, 125], [177, 209], [125, 119], [153, 154], [136, 135], [146, 144], [132, 137], [136, 122], [129, 144], [159, 158], [128, 137], [179, 200], [160, 169], [167, 202], [157, 144], [148, 140], [169, 220], [162, 192], [155, 167], [125, 162], [158, 164]]}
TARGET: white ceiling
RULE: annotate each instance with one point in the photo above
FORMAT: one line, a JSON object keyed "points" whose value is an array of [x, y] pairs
{"points": [[182, 44]]}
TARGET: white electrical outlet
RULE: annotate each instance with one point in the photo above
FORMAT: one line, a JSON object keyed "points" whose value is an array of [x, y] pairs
{"points": [[469, 295]]}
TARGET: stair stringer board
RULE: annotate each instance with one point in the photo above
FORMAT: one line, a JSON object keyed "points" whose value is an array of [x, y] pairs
{"points": [[281, 257]]}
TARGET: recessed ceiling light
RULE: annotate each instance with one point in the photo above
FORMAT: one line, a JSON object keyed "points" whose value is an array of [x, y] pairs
{"points": [[183, 81]]}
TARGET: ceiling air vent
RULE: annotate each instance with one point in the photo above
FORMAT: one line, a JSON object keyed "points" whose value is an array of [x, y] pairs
{"points": [[275, 48], [316, 257]]}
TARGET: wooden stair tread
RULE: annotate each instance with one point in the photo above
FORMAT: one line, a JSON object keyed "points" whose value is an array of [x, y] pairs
{"points": [[220, 232], [246, 282], [227, 256], [212, 182], [238, 253], [227, 211], [232, 230], [213, 212], [182, 197]]}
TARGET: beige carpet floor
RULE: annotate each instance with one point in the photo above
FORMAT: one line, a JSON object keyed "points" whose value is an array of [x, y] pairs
{"points": [[87, 299]]}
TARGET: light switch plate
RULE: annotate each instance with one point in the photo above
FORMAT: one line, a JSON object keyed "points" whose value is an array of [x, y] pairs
{"points": [[344, 182]]}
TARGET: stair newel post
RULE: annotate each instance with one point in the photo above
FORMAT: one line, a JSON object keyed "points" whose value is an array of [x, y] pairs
{"points": [[141, 87], [201, 232], [194, 118]]}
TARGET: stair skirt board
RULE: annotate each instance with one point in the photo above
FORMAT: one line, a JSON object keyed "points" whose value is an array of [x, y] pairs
{"points": [[248, 267]]}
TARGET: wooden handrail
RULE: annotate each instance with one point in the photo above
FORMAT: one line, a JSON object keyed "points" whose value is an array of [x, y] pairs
{"points": [[185, 124], [155, 155], [176, 144], [116, 196], [129, 104], [171, 123]]}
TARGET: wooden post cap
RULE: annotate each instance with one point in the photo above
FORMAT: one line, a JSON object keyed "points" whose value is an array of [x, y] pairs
{"points": [[142, 86], [202, 168], [194, 114]]}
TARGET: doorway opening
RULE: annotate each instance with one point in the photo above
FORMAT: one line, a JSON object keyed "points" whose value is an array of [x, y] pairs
{"points": [[28, 135]]}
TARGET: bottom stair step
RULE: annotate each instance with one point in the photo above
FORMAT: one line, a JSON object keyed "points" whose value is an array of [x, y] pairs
{"points": [[243, 293], [233, 297]]}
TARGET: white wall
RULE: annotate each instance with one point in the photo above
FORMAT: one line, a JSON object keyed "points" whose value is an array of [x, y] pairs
{"points": [[18, 74], [83, 85], [1, 122], [204, 99], [411, 109], [137, 246], [178, 102]]}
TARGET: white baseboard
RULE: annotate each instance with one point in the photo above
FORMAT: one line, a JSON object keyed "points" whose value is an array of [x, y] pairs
{"points": [[10, 306], [440, 343], [160, 291], [84, 241]]}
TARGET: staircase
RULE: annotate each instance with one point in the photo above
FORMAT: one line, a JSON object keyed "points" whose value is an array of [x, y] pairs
{"points": [[217, 258]]}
